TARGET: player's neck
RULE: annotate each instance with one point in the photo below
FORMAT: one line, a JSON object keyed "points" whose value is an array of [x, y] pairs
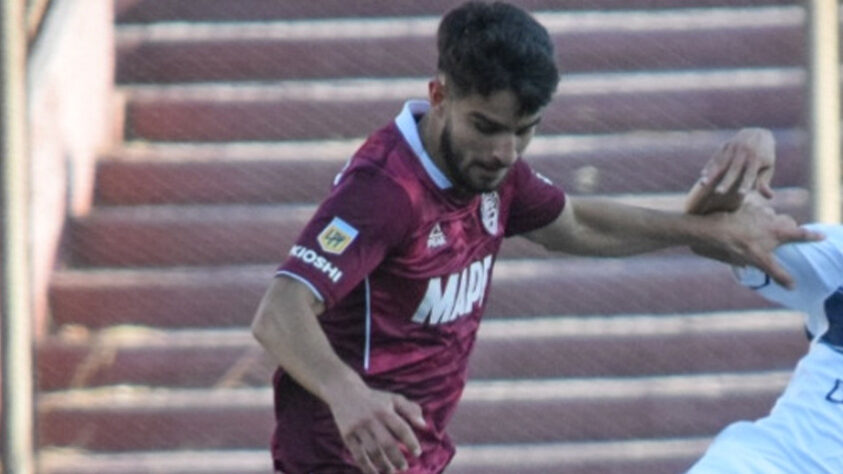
{"points": [[430, 141]]}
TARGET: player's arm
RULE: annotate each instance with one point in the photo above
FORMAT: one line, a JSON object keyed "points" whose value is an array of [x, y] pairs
{"points": [[349, 239], [746, 236], [372, 423]]}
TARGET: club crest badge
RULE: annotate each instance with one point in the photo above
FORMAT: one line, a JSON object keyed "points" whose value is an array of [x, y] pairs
{"points": [[336, 236], [490, 212]]}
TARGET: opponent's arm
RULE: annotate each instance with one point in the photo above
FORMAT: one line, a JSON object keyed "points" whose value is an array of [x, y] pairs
{"points": [[372, 423], [743, 165]]}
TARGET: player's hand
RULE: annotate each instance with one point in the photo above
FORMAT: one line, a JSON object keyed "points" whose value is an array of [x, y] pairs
{"points": [[377, 427], [746, 162], [749, 236]]}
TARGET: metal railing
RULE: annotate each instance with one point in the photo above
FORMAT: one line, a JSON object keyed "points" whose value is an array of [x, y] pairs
{"points": [[17, 342], [824, 106]]}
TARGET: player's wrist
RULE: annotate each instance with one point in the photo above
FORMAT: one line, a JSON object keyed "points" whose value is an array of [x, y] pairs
{"points": [[337, 388]]}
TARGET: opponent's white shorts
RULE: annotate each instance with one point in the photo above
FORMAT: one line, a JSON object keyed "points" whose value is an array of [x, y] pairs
{"points": [[803, 433]]}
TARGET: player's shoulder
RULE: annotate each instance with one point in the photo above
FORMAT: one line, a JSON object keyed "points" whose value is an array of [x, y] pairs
{"points": [[383, 152], [384, 162]]}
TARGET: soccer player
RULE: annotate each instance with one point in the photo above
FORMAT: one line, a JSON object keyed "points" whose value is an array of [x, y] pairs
{"points": [[374, 313], [804, 431]]}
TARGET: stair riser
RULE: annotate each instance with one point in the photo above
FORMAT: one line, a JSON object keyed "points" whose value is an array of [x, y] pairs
{"points": [[61, 367], [506, 421], [145, 11], [636, 355], [645, 417], [124, 244], [608, 466], [263, 59], [612, 170], [117, 243], [560, 287], [163, 120]]}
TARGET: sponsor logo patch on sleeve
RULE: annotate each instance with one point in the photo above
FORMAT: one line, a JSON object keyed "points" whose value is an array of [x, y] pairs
{"points": [[336, 236]]}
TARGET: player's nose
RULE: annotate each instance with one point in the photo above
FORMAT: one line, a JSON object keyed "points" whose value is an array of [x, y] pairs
{"points": [[506, 150]]}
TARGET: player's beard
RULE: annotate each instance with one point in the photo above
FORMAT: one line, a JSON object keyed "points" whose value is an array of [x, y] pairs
{"points": [[453, 160]]}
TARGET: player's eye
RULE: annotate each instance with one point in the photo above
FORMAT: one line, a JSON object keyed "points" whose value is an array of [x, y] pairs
{"points": [[525, 131], [486, 128]]}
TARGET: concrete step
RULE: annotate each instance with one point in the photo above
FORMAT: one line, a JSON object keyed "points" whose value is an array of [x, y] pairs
{"points": [[646, 456], [148, 11], [295, 172], [586, 103], [501, 411], [202, 235], [404, 47], [636, 345], [229, 296], [126, 236], [554, 347]]}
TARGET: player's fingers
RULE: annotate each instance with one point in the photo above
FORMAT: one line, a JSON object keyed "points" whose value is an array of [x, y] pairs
{"points": [[801, 234], [402, 431], [771, 267], [733, 173], [765, 176], [750, 175], [387, 441], [716, 166], [410, 410], [373, 448], [359, 452]]}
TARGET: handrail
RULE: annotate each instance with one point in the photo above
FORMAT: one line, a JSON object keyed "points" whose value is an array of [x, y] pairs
{"points": [[17, 342], [824, 107]]}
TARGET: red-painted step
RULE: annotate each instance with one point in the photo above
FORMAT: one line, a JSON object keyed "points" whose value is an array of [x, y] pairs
{"points": [[585, 42], [552, 347], [303, 171], [349, 109], [229, 296], [127, 418], [148, 11]]}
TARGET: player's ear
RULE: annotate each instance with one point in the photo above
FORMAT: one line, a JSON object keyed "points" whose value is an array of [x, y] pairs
{"points": [[437, 92]]}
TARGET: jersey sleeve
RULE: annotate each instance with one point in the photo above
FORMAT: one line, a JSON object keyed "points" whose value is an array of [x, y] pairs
{"points": [[366, 215], [817, 268], [536, 202]]}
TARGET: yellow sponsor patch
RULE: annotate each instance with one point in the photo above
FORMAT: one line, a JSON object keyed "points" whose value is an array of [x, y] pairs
{"points": [[336, 236]]}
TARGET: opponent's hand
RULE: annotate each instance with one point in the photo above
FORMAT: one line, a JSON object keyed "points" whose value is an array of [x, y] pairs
{"points": [[744, 163], [749, 236], [376, 427]]}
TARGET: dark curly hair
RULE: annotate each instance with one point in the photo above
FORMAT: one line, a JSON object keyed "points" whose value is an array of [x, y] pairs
{"points": [[485, 48]]}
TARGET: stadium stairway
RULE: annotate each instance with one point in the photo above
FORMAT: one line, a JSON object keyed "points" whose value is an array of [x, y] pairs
{"points": [[237, 117]]}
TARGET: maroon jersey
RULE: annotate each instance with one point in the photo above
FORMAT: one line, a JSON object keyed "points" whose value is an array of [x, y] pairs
{"points": [[403, 265]]}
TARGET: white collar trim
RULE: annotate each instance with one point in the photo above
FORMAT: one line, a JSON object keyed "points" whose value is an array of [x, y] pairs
{"points": [[408, 127]]}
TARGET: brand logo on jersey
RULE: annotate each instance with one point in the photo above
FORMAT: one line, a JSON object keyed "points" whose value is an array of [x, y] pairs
{"points": [[436, 237], [317, 261], [489, 211], [336, 236], [463, 291]]}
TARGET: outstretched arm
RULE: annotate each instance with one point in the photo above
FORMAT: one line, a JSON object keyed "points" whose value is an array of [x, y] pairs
{"points": [[747, 236]]}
